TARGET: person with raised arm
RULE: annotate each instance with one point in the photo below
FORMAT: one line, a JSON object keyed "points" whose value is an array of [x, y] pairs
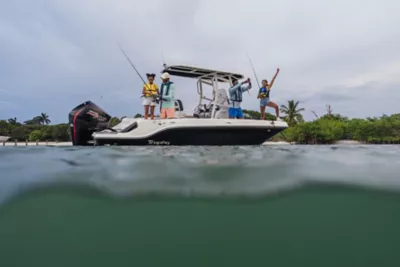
{"points": [[263, 95], [236, 96]]}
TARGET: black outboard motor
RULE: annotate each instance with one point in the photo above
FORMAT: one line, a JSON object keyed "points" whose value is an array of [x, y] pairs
{"points": [[86, 119]]}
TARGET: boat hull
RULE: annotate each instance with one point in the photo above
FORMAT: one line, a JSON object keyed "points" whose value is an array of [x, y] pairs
{"points": [[89, 125], [205, 136]]}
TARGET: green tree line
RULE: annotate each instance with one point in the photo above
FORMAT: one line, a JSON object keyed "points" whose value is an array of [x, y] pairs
{"points": [[326, 129], [331, 127], [35, 132], [38, 129]]}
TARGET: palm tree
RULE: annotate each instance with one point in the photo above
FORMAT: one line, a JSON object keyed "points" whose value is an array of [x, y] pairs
{"points": [[38, 120], [35, 121], [13, 121], [44, 119], [329, 111], [293, 115]]}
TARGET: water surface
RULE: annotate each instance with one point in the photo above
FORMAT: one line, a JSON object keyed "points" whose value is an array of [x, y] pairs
{"points": [[200, 206]]}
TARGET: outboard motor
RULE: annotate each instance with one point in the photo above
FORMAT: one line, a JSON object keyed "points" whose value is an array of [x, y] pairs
{"points": [[86, 119]]}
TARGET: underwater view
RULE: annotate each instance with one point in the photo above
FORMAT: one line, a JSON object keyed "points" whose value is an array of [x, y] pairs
{"points": [[200, 206]]}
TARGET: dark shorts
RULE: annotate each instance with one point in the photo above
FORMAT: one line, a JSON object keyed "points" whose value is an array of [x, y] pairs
{"points": [[235, 113]]}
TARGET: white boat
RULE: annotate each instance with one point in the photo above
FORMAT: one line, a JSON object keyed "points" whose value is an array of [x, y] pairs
{"points": [[209, 125]]}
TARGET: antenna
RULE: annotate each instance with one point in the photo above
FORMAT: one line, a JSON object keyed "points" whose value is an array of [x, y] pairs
{"points": [[163, 59]]}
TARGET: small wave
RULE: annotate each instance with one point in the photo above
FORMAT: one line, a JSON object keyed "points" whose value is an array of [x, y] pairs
{"points": [[249, 172]]}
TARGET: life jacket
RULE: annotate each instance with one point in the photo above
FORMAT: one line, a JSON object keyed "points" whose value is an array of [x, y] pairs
{"points": [[168, 84], [237, 96], [150, 89], [264, 92]]}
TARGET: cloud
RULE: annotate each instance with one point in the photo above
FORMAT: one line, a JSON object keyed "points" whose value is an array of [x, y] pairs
{"points": [[57, 54], [365, 100]]}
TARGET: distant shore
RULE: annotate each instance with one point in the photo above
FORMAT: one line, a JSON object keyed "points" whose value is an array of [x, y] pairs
{"points": [[12, 143], [21, 144], [340, 142]]}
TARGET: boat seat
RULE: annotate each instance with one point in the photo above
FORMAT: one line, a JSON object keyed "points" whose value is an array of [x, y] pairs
{"points": [[204, 111], [200, 111], [178, 105], [223, 99], [128, 128], [222, 104], [211, 106]]}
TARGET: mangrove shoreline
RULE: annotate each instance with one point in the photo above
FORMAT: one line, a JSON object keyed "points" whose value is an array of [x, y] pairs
{"points": [[328, 129]]}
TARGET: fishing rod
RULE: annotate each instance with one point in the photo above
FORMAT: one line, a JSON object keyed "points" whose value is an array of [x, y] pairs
{"points": [[254, 71], [130, 62], [133, 66]]}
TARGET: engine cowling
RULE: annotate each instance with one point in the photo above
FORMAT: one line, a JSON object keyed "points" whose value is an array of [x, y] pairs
{"points": [[86, 119]]}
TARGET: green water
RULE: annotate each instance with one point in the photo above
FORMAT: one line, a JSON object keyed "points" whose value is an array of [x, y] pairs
{"points": [[200, 206], [315, 226]]}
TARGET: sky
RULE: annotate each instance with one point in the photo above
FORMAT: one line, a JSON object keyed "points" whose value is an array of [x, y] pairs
{"points": [[56, 54]]}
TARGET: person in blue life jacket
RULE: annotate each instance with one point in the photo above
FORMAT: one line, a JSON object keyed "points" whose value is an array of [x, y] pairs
{"points": [[263, 95], [236, 96]]}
